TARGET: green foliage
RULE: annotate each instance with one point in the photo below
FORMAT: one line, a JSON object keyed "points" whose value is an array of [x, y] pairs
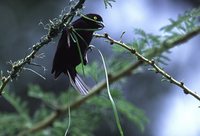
{"points": [[145, 41], [132, 113], [123, 59], [84, 120], [125, 108], [38, 93], [19, 105], [91, 70], [11, 123], [184, 23]]}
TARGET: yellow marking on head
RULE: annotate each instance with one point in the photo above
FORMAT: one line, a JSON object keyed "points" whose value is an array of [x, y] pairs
{"points": [[95, 17]]}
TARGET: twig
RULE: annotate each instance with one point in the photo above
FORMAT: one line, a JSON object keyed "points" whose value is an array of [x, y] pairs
{"points": [[112, 78], [157, 69], [54, 29], [29, 69]]}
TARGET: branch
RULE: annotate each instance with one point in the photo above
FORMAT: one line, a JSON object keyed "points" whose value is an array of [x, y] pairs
{"points": [[166, 45], [112, 78], [54, 28]]}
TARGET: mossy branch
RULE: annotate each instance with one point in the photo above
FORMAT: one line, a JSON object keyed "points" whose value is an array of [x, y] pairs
{"points": [[54, 28], [115, 77]]}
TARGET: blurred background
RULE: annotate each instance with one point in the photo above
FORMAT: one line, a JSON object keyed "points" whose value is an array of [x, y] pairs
{"points": [[169, 110]]}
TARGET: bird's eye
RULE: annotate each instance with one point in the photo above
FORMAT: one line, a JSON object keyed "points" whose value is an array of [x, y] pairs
{"points": [[95, 18]]}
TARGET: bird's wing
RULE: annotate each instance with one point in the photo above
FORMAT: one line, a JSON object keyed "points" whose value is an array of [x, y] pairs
{"points": [[58, 64]]}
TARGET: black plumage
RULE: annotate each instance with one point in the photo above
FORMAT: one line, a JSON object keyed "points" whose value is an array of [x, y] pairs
{"points": [[72, 49]]}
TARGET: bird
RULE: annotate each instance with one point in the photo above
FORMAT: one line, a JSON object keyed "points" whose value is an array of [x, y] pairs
{"points": [[72, 49]]}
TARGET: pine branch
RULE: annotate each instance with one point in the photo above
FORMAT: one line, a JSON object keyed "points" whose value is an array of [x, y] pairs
{"points": [[112, 78], [166, 45], [54, 29], [174, 41]]}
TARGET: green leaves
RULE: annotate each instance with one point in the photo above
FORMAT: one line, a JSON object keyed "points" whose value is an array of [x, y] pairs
{"points": [[91, 70], [145, 41], [91, 114], [103, 106], [19, 105], [11, 123], [132, 113], [184, 23]]}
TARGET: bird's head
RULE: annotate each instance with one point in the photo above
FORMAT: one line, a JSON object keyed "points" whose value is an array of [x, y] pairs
{"points": [[94, 20]]}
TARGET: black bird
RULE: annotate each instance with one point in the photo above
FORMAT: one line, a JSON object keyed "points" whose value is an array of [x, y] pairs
{"points": [[72, 49]]}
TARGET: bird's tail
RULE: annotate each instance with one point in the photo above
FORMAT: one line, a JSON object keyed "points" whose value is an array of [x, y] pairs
{"points": [[77, 82]]}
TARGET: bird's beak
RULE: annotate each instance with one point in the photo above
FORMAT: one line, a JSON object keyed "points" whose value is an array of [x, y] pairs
{"points": [[101, 25]]}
